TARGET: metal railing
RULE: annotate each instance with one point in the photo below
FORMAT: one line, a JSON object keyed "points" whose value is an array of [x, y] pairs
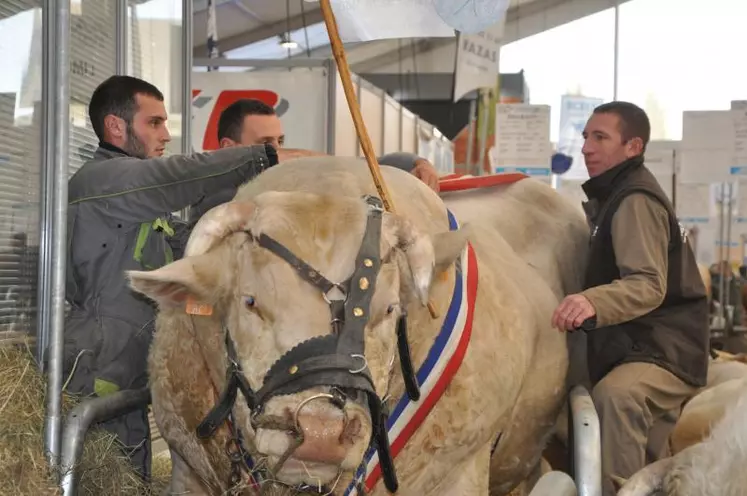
{"points": [[79, 421], [554, 483], [585, 448]]}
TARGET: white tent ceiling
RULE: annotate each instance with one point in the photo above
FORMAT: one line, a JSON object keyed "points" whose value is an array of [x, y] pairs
{"points": [[250, 29]]}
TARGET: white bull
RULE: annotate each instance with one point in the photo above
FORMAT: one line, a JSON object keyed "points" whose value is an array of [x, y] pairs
{"points": [[529, 245]]}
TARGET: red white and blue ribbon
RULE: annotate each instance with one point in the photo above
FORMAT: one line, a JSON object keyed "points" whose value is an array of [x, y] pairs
{"points": [[435, 374]]}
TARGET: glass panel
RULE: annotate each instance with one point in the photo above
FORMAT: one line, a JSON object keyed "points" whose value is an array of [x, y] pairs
{"points": [[691, 65], [92, 60], [155, 55], [20, 161]]}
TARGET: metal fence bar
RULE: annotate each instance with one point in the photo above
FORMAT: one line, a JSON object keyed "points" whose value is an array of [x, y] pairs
{"points": [[586, 443], [59, 178], [80, 419], [554, 484]]}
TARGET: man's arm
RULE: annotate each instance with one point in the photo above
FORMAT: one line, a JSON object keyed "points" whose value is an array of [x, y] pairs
{"points": [[415, 165], [401, 160], [640, 239], [143, 189]]}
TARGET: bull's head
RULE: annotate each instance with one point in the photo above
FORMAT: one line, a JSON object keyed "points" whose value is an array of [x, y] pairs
{"points": [[310, 289]]}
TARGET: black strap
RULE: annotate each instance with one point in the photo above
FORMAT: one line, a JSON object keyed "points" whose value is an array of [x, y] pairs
{"points": [[306, 271], [362, 283]]}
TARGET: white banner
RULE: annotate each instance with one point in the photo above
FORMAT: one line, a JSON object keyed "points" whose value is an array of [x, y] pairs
{"points": [[477, 60], [299, 98], [522, 139], [714, 146], [367, 20], [574, 112]]}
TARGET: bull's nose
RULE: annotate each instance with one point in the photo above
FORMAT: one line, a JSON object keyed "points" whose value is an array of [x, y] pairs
{"points": [[327, 437]]}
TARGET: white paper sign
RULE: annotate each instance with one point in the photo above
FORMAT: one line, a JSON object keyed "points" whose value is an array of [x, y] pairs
{"points": [[477, 60], [739, 167], [522, 139], [704, 165], [694, 203]]}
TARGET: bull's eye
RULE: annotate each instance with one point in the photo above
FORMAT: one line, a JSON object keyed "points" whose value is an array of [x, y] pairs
{"points": [[390, 309], [249, 301]]}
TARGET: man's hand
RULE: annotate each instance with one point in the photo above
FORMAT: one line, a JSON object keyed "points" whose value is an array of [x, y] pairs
{"points": [[427, 173], [572, 312]]}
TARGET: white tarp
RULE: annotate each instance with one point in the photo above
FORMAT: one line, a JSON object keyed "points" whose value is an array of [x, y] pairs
{"points": [[477, 60], [367, 20]]}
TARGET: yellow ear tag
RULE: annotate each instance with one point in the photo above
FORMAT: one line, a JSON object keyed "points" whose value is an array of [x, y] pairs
{"points": [[197, 308]]}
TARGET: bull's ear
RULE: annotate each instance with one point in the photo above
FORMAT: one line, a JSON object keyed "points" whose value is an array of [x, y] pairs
{"points": [[429, 255], [170, 286], [448, 246]]}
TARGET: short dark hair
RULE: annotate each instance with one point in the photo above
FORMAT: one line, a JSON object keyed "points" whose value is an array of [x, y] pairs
{"points": [[116, 96], [232, 118], [634, 122]]}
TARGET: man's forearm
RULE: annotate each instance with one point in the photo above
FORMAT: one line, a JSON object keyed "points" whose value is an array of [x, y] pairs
{"points": [[640, 241], [625, 299]]}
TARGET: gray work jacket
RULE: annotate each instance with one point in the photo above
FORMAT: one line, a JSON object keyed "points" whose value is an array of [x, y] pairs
{"points": [[119, 218]]}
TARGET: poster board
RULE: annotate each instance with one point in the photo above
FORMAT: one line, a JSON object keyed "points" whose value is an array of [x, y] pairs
{"points": [[522, 141], [299, 99]]}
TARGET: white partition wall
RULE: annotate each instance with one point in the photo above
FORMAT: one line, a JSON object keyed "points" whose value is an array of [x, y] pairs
{"points": [[372, 110], [309, 99], [392, 125], [409, 131]]}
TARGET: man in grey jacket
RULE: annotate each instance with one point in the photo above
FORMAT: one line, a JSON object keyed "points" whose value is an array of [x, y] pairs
{"points": [[119, 218], [249, 122]]}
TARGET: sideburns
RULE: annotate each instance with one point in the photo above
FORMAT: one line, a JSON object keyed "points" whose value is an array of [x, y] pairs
{"points": [[134, 146]]}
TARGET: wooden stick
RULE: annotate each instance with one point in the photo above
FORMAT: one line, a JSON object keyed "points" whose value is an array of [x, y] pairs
{"points": [[360, 128]]}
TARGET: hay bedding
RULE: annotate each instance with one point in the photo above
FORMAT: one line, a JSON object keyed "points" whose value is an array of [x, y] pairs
{"points": [[23, 468]]}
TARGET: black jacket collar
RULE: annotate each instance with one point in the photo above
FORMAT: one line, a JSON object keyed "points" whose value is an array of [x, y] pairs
{"points": [[112, 148], [599, 187]]}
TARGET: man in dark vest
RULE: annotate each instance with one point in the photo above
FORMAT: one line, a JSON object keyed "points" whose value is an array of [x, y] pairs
{"points": [[648, 352]]}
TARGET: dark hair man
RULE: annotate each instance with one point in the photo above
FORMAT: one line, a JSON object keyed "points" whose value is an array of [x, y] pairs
{"points": [[648, 353], [119, 218], [252, 122]]}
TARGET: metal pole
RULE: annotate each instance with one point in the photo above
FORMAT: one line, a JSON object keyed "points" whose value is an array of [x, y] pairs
{"points": [[727, 289], [331, 69], [483, 128], [587, 444], [120, 34], [471, 136], [187, 49], [721, 256], [617, 48], [46, 203], [80, 419], [59, 228], [186, 96]]}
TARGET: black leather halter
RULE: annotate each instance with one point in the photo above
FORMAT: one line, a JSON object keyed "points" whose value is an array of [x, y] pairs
{"points": [[337, 359]]}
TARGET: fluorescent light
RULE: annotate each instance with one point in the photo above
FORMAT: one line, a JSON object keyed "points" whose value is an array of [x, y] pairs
{"points": [[287, 42]]}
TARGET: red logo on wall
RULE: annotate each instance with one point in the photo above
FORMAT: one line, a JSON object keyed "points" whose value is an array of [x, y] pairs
{"points": [[226, 98]]}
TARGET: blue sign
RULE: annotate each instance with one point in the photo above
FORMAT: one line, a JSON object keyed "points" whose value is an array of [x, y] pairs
{"points": [[574, 112]]}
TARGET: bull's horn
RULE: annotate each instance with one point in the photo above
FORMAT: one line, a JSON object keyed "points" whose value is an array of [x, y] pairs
{"points": [[216, 224], [648, 480]]}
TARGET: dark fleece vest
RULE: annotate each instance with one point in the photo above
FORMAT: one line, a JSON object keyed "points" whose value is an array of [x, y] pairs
{"points": [[675, 335]]}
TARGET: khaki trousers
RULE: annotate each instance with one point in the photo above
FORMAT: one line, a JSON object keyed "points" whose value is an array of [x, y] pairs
{"points": [[638, 405]]}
